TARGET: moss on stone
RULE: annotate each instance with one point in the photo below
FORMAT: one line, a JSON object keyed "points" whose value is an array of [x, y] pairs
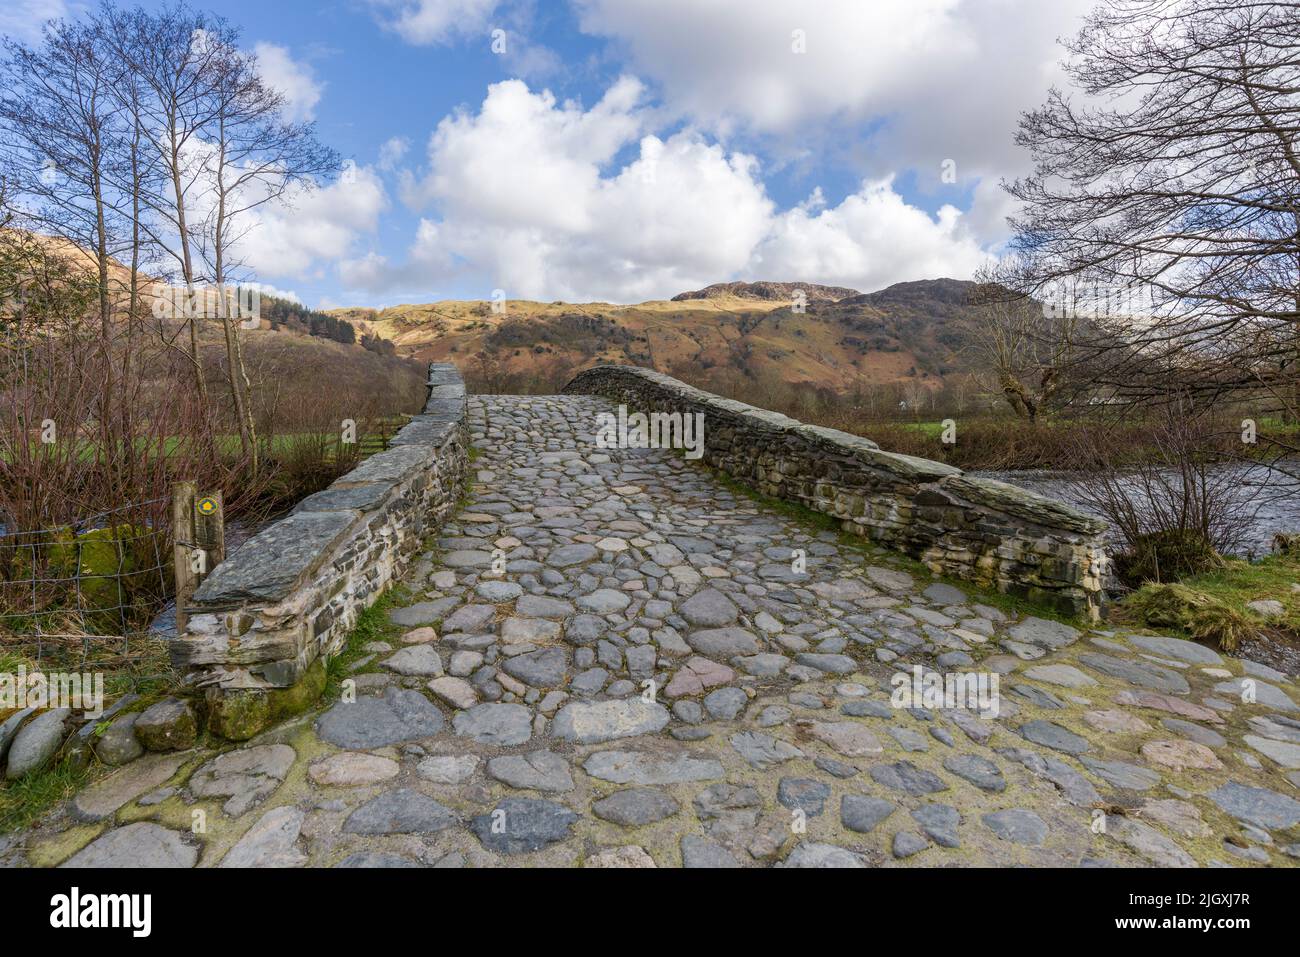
{"points": [[287, 702], [239, 714], [54, 850]]}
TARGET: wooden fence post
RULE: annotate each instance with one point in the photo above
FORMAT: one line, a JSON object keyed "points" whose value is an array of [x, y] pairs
{"points": [[210, 532], [184, 495], [199, 534]]}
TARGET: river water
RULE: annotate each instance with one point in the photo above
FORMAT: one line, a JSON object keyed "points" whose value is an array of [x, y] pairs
{"points": [[1273, 496]]}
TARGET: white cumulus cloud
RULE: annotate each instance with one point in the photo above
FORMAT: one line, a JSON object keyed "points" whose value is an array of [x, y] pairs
{"points": [[425, 22], [291, 238], [887, 85], [550, 200], [870, 240], [293, 79], [23, 19]]}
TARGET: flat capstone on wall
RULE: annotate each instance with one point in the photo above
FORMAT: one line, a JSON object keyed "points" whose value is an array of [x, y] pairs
{"points": [[987, 532], [264, 622]]}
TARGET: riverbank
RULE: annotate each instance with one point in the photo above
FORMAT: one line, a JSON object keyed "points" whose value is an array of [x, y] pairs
{"points": [[1273, 495], [1263, 595]]}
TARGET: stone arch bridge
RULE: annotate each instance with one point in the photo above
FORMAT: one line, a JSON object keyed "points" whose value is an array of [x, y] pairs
{"points": [[621, 656]]}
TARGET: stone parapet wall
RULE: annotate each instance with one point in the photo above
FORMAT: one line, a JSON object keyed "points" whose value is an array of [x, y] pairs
{"points": [[990, 533], [263, 623]]}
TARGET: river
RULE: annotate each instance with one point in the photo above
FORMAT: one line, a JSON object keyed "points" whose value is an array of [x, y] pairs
{"points": [[1272, 495]]}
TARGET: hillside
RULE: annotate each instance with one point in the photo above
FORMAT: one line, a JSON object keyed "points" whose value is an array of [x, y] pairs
{"points": [[907, 333], [778, 291]]}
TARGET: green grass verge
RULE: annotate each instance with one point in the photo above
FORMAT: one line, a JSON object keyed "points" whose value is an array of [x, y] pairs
{"points": [[147, 673], [1240, 582], [1231, 587], [24, 801], [372, 625]]}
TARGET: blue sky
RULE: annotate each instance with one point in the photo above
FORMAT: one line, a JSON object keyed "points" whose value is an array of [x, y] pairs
{"points": [[630, 149]]}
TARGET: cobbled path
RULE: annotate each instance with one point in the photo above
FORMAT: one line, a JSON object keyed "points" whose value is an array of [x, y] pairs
{"points": [[610, 659]]}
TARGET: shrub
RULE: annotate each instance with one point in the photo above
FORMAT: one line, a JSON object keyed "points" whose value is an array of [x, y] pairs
{"points": [[1167, 555], [1173, 507], [1287, 543], [1201, 616]]}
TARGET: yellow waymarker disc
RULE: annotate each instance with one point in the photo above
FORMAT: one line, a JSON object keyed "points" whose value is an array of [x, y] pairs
{"points": [[207, 506]]}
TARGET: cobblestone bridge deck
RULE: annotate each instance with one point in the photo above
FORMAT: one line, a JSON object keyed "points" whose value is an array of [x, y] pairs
{"points": [[652, 679]]}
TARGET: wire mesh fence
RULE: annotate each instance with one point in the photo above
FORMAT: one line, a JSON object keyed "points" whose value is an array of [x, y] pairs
{"points": [[86, 589]]}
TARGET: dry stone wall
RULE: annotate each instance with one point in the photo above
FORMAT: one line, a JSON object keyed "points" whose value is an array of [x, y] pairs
{"points": [[984, 531], [264, 622]]}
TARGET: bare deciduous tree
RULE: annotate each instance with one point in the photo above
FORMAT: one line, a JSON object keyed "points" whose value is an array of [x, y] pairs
{"points": [[1023, 347], [1175, 175], [254, 158]]}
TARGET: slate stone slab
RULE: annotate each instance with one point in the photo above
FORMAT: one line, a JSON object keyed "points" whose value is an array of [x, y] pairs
{"points": [[272, 562], [763, 750], [363, 498], [1263, 692], [142, 844], [861, 813], [643, 767], [1282, 752], [271, 842], [1194, 732], [907, 777], [104, 798], [863, 708], [523, 825], [1039, 697], [1180, 649], [545, 668], [491, 723], [244, 776], [1143, 839], [538, 771], [943, 594], [402, 811], [804, 794], [1051, 735], [701, 852], [1130, 777], [415, 660], [907, 843], [1017, 825], [832, 664], [635, 807], [981, 772], [422, 612], [592, 723], [1259, 806], [573, 554], [1077, 789], [391, 465], [724, 704], [939, 822], [810, 854], [1046, 634], [1137, 673], [424, 430], [724, 643], [709, 608], [375, 722]]}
